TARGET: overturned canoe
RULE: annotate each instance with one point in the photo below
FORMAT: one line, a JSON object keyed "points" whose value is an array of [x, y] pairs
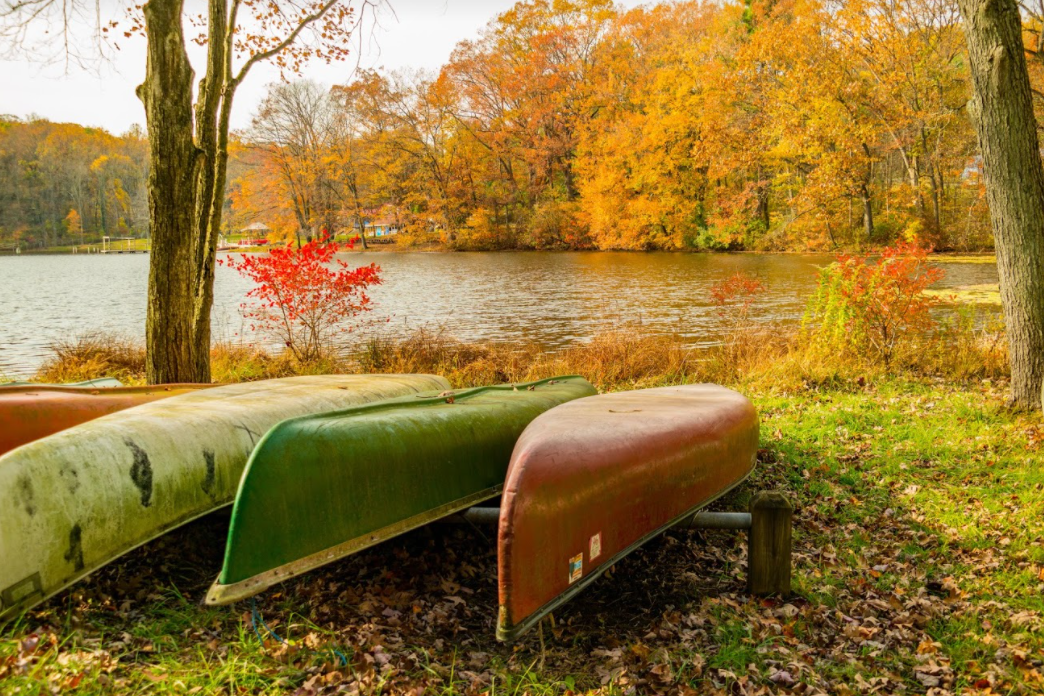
{"points": [[594, 479], [322, 487], [74, 501], [31, 412]]}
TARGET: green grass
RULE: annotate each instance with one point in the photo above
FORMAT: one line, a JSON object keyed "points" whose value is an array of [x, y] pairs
{"points": [[918, 563]]}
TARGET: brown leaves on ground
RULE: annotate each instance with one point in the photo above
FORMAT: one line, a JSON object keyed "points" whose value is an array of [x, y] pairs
{"points": [[888, 600]]}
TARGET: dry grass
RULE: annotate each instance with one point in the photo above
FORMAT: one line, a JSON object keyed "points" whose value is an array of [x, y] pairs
{"points": [[772, 359], [612, 360], [239, 363], [92, 356]]}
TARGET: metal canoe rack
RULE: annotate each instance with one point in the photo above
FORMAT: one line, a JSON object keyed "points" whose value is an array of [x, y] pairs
{"points": [[769, 527]]}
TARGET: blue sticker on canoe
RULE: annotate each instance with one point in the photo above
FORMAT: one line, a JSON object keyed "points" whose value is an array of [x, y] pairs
{"points": [[576, 567]]}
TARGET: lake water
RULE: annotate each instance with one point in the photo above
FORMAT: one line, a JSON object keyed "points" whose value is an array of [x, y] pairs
{"points": [[551, 298]]}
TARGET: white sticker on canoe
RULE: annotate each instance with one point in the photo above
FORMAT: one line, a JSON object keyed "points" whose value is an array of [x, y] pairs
{"points": [[596, 547], [576, 567]]}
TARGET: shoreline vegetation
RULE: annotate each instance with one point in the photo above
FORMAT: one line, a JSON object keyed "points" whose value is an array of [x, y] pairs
{"points": [[984, 256], [676, 125], [917, 560]]}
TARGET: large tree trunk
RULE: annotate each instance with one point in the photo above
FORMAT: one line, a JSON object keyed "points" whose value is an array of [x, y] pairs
{"points": [[1002, 109], [167, 96]]}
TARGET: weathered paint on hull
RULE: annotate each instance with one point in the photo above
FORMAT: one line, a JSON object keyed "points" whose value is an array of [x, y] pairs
{"points": [[323, 487], [76, 500], [594, 479], [28, 413]]}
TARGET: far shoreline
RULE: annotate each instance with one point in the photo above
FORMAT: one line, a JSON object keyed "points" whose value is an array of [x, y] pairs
{"points": [[985, 256]]}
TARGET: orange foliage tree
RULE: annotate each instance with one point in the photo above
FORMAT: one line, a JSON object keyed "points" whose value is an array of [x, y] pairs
{"points": [[682, 125]]}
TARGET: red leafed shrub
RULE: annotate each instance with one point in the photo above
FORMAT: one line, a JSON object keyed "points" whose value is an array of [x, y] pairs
{"points": [[875, 301], [734, 295], [304, 297]]}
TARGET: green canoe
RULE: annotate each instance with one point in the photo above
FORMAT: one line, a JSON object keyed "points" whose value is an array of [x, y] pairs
{"points": [[318, 488], [74, 501]]}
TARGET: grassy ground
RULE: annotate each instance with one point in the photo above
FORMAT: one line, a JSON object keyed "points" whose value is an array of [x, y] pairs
{"points": [[918, 562]]}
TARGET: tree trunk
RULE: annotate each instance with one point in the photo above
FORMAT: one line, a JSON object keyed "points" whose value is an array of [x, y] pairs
{"points": [[1002, 109], [868, 213], [167, 96], [864, 194], [763, 212]]}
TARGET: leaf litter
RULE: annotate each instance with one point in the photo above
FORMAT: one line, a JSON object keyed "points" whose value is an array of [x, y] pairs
{"points": [[891, 596]]}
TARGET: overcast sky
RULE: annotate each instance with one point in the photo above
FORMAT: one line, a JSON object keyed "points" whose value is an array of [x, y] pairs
{"points": [[420, 34]]}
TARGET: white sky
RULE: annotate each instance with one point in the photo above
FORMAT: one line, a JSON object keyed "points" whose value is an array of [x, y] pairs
{"points": [[422, 36]]}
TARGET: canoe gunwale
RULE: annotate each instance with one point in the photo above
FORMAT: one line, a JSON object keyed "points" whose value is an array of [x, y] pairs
{"points": [[448, 396], [219, 594], [515, 631], [6, 390]]}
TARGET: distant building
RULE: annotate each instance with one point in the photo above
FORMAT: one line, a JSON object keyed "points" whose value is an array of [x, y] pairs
{"points": [[381, 227], [972, 171], [256, 228]]}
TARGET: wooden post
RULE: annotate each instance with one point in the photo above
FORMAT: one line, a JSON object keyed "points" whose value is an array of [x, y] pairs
{"points": [[768, 546]]}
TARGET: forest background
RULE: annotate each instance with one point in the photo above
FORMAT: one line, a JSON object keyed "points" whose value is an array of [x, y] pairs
{"points": [[575, 125]]}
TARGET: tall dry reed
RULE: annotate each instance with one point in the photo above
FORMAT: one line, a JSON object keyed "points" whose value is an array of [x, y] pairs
{"points": [[757, 358]]}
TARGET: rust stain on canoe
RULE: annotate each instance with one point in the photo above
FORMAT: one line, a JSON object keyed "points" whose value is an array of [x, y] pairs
{"points": [[29, 412], [593, 479]]}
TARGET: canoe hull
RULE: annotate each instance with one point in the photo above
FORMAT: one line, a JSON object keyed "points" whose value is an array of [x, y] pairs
{"points": [[323, 487], [78, 499], [32, 412], [592, 480], [100, 383]]}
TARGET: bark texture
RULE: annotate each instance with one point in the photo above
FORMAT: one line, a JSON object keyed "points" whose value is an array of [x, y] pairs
{"points": [[167, 96], [188, 158], [1002, 110]]}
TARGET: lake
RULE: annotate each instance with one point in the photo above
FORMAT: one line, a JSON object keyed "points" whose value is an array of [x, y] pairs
{"points": [[551, 298]]}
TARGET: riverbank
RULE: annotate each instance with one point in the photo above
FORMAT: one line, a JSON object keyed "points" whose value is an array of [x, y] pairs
{"points": [[918, 563], [390, 245]]}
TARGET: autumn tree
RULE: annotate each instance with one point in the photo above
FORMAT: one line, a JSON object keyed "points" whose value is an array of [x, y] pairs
{"points": [[1002, 109], [48, 168], [188, 125], [73, 224], [293, 136], [520, 93]]}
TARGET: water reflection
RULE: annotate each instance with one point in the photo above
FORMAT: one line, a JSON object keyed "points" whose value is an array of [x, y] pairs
{"points": [[550, 298]]}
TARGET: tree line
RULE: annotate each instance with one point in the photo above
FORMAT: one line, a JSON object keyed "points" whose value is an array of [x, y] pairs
{"points": [[762, 124], [573, 124], [62, 183]]}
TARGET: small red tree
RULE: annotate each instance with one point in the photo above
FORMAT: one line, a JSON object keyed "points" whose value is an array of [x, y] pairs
{"points": [[733, 298], [305, 296], [734, 295], [875, 301]]}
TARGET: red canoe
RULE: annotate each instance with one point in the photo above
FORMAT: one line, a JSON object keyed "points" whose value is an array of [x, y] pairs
{"points": [[594, 479], [31, 412]]}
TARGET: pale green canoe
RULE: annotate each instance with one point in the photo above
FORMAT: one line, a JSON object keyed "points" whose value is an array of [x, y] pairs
{"points": [[76, 500]]}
